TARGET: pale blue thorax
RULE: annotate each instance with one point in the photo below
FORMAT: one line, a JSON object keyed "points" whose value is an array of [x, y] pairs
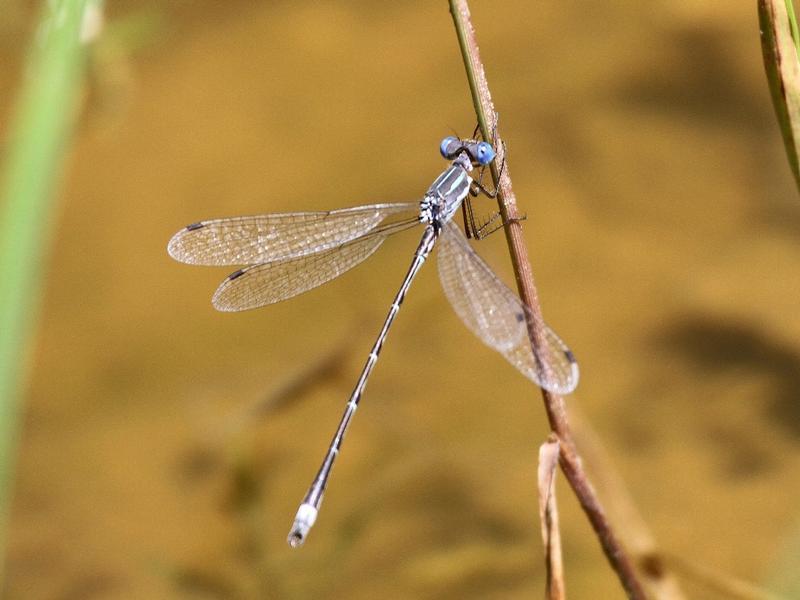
{"points": [[447, 192]]}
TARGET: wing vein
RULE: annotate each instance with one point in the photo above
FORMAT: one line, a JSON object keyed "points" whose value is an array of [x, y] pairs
{"points": [[494, 313], [279, 236], [268, 283]]}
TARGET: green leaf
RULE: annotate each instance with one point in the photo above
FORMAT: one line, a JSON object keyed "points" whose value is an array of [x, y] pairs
{"points": [[779, 47], [33, 154]]}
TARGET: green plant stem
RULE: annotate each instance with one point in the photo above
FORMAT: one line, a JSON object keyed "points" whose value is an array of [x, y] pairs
{"points": [[778, 29], [793, 24], [569, 459], [42, 125]]}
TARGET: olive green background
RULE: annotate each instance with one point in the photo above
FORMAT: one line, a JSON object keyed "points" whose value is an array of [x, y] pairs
{"points": [[166, 446]]}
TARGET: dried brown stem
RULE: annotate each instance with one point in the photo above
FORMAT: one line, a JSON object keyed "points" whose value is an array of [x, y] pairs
{"points": [[548, 516], [554, 404], [659, 580]]}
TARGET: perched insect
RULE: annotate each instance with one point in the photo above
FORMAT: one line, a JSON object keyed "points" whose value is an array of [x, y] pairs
{"points": [[290, 253]]}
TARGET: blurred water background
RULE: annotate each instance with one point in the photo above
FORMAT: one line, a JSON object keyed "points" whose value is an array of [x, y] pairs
{"points": [[165, 446]]}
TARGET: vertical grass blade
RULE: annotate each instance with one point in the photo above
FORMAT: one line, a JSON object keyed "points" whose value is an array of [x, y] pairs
{"points": [[33, 155], [779, 41]]}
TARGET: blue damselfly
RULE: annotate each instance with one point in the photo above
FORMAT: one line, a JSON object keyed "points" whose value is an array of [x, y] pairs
{"points": [[290, 253]]}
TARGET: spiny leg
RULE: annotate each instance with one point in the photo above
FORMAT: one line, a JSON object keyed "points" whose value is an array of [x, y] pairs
{"points": [[471, 227], [481, 232]]}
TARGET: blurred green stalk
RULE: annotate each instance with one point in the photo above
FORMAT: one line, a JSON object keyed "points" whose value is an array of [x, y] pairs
{"points": [[779, 46], [38, 139], [792, 23]]}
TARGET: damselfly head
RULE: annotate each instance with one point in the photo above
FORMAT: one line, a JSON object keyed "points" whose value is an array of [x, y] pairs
{"points": [[480, 153]]}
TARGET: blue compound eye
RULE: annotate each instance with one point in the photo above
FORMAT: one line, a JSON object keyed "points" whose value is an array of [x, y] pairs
{"points": [[449, 146], [484, 153]]}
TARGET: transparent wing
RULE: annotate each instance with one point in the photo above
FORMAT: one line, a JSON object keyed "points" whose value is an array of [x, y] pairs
{"points": [[275, 237], [267, 283], [497, 316]]}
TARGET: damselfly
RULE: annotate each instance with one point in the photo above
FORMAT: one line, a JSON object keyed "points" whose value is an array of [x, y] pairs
{"points": [[290, 253]]}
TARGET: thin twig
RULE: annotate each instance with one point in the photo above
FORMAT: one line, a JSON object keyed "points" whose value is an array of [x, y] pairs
{"points": [[554, 405], [659, 580], [548, 516], [722, 583]]}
